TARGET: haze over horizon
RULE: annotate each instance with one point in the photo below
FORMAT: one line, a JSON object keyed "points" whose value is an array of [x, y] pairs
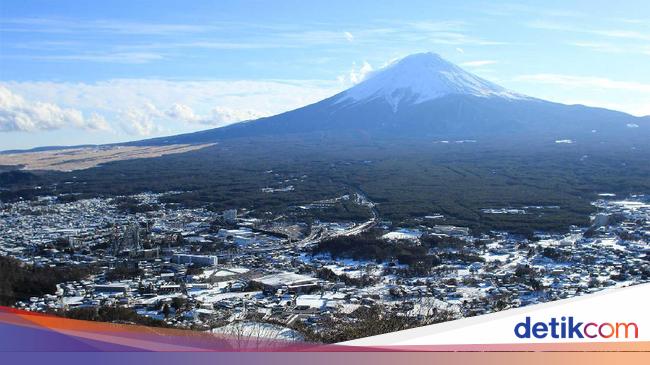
{"points": [[71, 74]]}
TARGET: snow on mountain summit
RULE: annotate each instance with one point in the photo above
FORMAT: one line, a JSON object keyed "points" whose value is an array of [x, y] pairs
{"points": [[421, 77]]}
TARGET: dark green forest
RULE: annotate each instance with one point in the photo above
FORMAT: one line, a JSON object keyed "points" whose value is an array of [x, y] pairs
{"points": [[407, 179], [20, 282]]}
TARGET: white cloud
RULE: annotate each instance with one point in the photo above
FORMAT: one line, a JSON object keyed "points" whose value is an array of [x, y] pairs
{"points": [[151, 42], [97, 122], [479, 63], [585, 81], [182, 112], [608, 47], [453, 33], [152, 107], [142, 120], [627, 96], [517, 10], [599, 46], [217, 116], [615, 34], [19, 114], [624, 34], [356, 75], [116, 57], [62, 25], [225, 115]]}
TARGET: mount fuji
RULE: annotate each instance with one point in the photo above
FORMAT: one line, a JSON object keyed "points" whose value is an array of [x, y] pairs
{"points": [[423, 96], [419, 78]]}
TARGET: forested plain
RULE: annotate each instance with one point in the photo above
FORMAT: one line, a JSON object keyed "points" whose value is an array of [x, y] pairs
{"points": [[408, 179]]}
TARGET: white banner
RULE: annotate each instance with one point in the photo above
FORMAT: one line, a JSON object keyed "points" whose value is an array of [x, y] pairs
{"points": [[612, 315]]}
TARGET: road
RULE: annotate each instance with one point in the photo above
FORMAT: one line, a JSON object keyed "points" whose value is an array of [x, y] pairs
{"points": [[320, 233]]}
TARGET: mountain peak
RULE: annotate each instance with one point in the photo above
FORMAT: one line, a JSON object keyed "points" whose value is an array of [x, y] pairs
{"points": [[418, 78], [423, 59]]}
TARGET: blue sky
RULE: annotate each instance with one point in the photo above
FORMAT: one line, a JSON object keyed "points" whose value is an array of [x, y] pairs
{"points": [[74, 72]]}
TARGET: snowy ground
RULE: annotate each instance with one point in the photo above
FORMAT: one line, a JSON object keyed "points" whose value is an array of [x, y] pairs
{"points": [[403, 234]]}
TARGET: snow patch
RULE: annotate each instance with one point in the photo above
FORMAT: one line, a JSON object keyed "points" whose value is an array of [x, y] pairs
{"points": [[403, 234], [419, 78]]}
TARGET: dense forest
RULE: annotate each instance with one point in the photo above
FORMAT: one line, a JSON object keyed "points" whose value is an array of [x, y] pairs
{"points": [[20, 282], [369, 247], [407, 180]]}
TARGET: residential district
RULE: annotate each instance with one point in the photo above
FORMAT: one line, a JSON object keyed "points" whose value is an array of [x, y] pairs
{"points": [[224, 271]]}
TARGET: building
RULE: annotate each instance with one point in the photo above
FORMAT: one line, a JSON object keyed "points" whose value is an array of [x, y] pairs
{"points": [[200, 260], [170, 288], [242, 236], [451, 230], [292, 282], [111, 288], [147, 254], [601, 220], [230, 215]]}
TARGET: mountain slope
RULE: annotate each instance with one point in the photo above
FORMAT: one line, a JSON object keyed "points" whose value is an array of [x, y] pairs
{"points": [[424, 96]]}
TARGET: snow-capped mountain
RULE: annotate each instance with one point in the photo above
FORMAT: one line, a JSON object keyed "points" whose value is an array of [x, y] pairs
{"points": [[418, 78], [426, 97]]}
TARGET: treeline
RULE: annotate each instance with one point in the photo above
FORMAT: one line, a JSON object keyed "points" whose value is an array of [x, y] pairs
{"points": [[112, 314], [15, 184], [360, 282], [442, 241], [131, 205], [122, 272], [369, 247], [20, 282], [17, 177]]}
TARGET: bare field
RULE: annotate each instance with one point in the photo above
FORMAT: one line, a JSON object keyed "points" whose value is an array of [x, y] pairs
{"points": [[83, 158]]}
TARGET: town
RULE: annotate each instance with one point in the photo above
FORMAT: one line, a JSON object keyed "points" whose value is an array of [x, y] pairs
{"points": [[229, 272]]}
